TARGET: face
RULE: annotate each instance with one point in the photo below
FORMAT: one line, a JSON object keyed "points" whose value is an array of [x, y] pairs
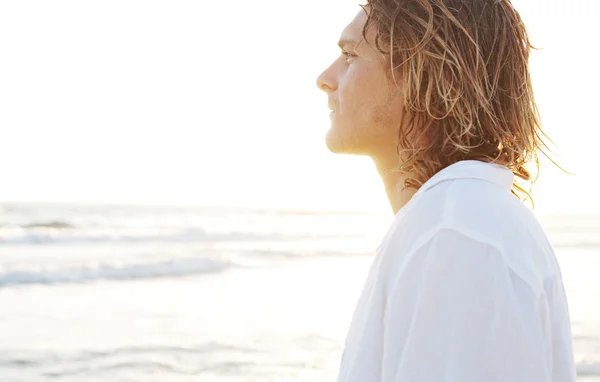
{"points": [[366, 104]]}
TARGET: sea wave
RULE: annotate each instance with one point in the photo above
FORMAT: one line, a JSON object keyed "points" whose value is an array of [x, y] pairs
{"points": [[18, 236], [588, 367], [170, 268], [51, 236], [198, 362], [578, 244], [56, 224]]}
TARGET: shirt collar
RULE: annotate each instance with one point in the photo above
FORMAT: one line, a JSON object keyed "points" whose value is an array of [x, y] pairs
{"points": [[472, 169]]}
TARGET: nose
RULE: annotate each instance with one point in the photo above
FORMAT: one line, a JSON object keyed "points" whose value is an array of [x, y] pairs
{"points": [[326, 81]]}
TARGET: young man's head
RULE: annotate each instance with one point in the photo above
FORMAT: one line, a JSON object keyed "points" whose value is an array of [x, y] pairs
{"points": [[427, 83]]}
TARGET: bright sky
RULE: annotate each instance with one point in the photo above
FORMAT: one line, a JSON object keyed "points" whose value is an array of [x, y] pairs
{"points": [[215, 103]]}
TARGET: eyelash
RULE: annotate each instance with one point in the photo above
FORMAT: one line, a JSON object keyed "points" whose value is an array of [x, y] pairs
{"points": [[348, 55]]}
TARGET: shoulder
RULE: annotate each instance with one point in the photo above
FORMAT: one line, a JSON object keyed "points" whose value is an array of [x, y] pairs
{"points": [[471, 215], [469, 206], [475, 208]]}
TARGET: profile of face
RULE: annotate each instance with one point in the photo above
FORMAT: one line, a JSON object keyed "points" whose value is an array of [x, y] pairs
{"points": [[366, 105]]}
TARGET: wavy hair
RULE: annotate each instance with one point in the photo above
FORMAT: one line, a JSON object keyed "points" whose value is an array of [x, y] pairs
{"points": [[462, 67]]}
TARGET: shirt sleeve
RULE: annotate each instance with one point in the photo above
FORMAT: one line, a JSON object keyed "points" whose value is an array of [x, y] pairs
{"points": [[458, 313]]}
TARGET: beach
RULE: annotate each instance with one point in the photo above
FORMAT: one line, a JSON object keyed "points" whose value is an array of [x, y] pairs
{"points": [[128, 313], [282, 323]]}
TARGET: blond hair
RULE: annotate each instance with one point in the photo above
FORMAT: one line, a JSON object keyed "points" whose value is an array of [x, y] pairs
{"points": [[462, 67]]}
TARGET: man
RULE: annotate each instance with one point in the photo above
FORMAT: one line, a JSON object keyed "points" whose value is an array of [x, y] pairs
{"points": [[464, 286]]}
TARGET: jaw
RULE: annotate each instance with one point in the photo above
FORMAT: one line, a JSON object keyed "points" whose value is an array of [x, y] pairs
{"points": [[371, 140]]}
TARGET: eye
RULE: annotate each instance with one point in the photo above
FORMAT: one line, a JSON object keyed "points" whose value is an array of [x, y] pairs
{"points": [[348, 55]]}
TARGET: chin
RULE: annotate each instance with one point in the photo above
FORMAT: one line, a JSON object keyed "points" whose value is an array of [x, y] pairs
{"points": [[339, 144], [335, 147]]}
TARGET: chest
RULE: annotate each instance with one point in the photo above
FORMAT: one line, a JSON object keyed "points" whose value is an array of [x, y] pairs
{"points": [[364, 341]]}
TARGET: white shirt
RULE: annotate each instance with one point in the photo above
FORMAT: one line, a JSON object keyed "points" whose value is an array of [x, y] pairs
{"points": [[464, 287]]}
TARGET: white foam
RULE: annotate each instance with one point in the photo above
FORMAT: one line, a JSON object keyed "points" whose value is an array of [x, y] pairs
{"points": [[171, 268]]}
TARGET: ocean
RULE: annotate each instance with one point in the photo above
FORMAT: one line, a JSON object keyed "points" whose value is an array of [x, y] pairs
{"points": [[138, 293]]}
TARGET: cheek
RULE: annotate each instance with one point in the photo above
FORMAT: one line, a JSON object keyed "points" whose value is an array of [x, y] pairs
{"points": [[355, 90]]}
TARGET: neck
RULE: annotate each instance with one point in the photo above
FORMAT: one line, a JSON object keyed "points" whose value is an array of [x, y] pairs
{"points": [[393, 182]]}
